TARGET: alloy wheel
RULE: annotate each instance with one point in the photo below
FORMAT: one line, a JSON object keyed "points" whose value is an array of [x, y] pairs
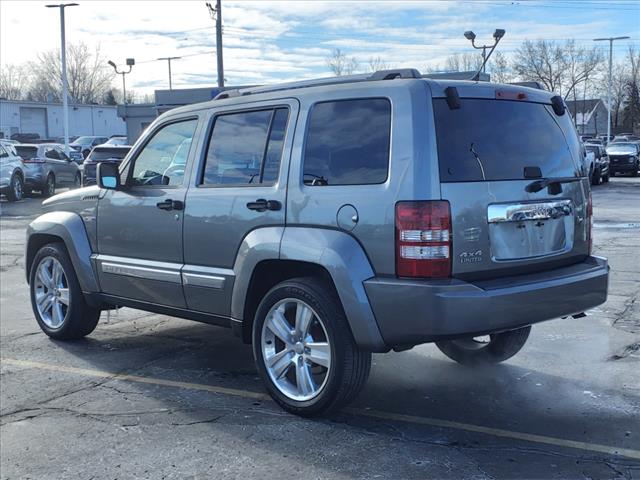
{"points": [[17, 188], [296, 349], [51, 291]]}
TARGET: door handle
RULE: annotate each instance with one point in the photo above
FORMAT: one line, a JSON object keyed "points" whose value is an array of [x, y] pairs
{"points": [[169, 204], [262, 205]]}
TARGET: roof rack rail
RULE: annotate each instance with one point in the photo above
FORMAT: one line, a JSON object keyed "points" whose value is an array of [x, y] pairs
{"points": [[361, 77], [395, 73]]}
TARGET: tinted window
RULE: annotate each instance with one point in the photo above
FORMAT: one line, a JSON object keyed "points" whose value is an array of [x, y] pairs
{"points": [[52, 153], [3, 153], [27, 153], [496, 139], [155, 163], [348, 142], [245, 148]]}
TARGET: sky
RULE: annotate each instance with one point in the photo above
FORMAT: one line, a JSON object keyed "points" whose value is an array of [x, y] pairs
{"points": [[271, 41]]}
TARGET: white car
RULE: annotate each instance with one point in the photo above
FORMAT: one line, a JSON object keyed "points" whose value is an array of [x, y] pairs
{"points": [[11, 172], [116, 141]]}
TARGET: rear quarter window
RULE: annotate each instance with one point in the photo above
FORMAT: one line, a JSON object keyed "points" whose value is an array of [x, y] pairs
{"points": [[348, 142], [488, 140]]}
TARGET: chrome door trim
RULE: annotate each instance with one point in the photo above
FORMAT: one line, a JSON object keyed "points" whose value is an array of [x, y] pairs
{"points": [[146, 269], [519, 212], [209, 277]]}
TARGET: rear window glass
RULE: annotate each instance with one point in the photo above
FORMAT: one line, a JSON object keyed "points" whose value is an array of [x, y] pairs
{"points": [[486, 140], [98, 154], [26, 153], [348, 142]]}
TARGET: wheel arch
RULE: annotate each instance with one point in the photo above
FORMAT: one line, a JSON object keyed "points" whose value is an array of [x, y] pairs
{"points": [[67, 228], [271, 255]]}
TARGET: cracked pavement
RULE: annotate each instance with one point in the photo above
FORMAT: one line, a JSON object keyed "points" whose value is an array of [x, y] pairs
{"points": [[575, 380]]}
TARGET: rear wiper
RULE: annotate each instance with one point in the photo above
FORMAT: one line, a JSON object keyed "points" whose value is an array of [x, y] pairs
{"points": [[538, 185]]}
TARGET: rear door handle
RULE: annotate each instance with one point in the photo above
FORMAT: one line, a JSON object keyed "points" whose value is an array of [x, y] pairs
{"points": [[169, 204], [262, 205]]}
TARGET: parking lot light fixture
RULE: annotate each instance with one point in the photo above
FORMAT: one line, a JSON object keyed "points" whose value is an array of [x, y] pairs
{"points": [[63, 59], [497, 36], [130, 63]]}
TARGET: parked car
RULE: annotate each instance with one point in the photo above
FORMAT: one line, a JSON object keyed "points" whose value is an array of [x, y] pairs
{"points": [[85, 143], [117, 140], [627, 137], [623, 158], [601, 163], [99, 154], [322, 224], [48, 167], [11, 172], [25, 137]]}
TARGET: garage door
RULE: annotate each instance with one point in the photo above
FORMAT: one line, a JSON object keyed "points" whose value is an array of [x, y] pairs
{"points": [[33, 120]]}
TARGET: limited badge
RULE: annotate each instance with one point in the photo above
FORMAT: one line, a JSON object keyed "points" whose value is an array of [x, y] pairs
{"points": [[471, 257]]}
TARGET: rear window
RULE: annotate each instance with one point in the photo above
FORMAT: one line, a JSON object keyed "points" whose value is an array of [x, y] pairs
{"points": [[348, 142], [99, 154], [27, 153], [487, 140]]}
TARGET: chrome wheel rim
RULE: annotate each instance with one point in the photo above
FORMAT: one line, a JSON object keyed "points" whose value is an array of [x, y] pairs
{"points": [[51, 292], [296, 349], [17, 189]]}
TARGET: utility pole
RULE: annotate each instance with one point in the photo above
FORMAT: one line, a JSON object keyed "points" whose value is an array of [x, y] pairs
{"points": [[216, 14], [65, 86], [168, 59], [610, 40]]}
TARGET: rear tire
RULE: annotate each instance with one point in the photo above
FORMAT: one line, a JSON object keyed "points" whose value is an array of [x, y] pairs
{"points": [[605, 178], [596, 177], [56, 297], [16, 188], [315, 329], [499, 348], [49, 187]]}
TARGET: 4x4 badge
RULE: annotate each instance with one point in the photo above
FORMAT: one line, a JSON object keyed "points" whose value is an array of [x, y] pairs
{"points": [[471, 257]]}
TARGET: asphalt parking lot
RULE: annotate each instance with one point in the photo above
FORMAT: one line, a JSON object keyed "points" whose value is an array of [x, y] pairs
{"points": [[150, 396]]}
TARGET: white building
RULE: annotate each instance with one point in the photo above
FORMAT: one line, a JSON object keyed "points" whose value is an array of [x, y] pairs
{"points": [[45, 119]]}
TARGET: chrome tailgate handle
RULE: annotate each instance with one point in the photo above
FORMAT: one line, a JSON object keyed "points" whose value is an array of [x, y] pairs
{"points": [[520, 212]]}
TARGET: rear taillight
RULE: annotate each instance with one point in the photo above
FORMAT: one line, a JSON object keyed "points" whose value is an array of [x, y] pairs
{"points": [[423, 239], [590, 224], [34, 160]]}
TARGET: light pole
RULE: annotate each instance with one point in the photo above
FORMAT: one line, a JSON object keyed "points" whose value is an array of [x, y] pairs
{"points": [[65, 87], [610, 40], [130, 63], [497, 36], [168, 59]]}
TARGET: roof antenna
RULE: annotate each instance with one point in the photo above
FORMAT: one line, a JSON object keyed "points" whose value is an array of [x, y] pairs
{"points": [[497, 36]]}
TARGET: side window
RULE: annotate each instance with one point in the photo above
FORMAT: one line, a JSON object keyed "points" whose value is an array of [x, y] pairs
{"points": [[63, 155], [52, 153], [162, 161], [348, 142], [246, 148], [3, 153]]}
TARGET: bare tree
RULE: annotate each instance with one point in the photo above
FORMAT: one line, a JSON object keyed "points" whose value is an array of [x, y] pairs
{"points": [[339, 64], [619, 79], [88, 76], [500, 69], [376, 63], [465, 62], [579, 65], [13, 82], [540, 61], [631, 112]]}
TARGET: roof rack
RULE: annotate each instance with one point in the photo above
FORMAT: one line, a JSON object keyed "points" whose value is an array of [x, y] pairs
{"points": [[362, 77]]}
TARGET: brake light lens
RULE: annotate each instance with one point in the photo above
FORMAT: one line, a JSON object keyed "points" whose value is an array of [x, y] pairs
{"points": [[423, 239], [590, 224]]}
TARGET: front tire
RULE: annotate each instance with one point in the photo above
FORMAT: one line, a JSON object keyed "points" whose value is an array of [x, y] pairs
{"points": [[77, 181], [304, 349], [16, 188], [499, 347], [595, 179], [56, 296]]}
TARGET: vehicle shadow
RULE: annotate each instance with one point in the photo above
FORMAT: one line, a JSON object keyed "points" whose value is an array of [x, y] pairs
{"points": [[419, 382]]}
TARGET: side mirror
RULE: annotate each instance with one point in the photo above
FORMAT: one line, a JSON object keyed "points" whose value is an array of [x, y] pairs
{"points": [[108, 176]]}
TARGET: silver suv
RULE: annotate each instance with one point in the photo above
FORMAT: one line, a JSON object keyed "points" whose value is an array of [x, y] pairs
{"points": [[326, 220], [11, 172]]}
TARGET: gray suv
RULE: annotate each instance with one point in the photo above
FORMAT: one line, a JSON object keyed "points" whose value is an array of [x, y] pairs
{"points": [[326, 220]]}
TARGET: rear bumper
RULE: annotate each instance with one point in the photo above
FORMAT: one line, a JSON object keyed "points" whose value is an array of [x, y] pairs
{"points": [[410, 312]]}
